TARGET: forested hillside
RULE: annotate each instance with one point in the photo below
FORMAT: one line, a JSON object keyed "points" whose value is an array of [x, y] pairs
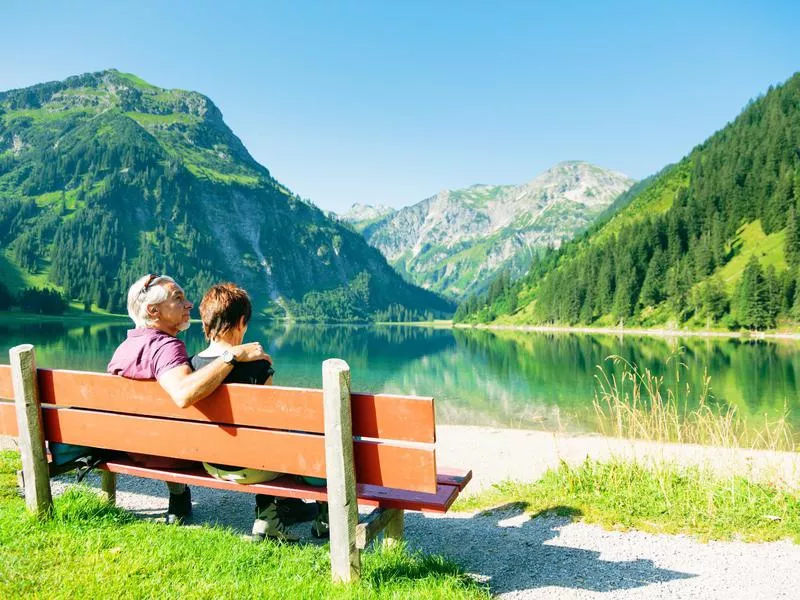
{"points": [[711, 240], [104, 177]]}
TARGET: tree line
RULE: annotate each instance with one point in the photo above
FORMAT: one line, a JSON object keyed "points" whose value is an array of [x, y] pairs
{"points": [[46, 301]]}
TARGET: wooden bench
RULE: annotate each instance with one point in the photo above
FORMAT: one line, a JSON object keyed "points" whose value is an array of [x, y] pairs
{"points": [[375, 450]]}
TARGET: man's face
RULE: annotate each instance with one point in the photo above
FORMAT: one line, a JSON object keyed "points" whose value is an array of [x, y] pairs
{"points": [[173, 313]]}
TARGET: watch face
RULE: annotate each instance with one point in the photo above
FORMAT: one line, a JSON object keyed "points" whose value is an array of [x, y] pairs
{"points": [[227, 356]]}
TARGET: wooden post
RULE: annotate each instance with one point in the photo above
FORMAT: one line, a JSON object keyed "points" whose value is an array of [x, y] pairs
{"points": [[108, 483], [393, 534], [36, 472], [374, 523], [340, 471]]}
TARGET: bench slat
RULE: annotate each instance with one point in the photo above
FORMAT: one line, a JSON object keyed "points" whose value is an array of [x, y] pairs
{"points": [[8, 419], [368, 495], [383, 416], [403, 466], [454, 476], [6, 388]]}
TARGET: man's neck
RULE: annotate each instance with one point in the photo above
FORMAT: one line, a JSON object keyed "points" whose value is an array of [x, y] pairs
{"points": [[173, 332]]}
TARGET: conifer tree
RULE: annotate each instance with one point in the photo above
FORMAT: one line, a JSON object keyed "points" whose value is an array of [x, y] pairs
{"points": [[792, 243], [655, 280], [714, 300], [753, 298]]}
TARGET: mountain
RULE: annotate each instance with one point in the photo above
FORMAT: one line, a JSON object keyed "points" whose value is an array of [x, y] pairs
{"points": [[104, 177], [457, 241], [713, 240], [361, 216]]}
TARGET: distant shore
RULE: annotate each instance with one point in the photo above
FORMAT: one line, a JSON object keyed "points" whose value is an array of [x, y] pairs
{"points": [[637, 331], [73, 316], [69, 317]]}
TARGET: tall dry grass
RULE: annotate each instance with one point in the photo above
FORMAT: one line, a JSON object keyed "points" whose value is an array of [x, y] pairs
{"points": [[642, 405]]}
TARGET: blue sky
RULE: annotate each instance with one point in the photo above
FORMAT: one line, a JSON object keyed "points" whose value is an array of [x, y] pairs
{"points": [[379, 102]]}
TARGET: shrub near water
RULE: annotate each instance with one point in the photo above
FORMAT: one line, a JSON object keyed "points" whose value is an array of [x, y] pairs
{"points": [[638, 404], [89, 549]]}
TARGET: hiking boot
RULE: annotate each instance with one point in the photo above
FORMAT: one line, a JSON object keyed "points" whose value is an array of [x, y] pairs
{"points": [[294, 510], [269, 525], [320, 527], [180, 507]]}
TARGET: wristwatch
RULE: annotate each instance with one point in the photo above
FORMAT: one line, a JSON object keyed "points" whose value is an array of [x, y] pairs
{"points": [[228, 357]]}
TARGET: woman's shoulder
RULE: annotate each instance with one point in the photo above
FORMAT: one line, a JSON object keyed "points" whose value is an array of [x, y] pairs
{"points": [[199, 361]]}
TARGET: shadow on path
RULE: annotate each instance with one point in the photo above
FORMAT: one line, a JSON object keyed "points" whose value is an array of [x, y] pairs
{"points": [[511, 551]]}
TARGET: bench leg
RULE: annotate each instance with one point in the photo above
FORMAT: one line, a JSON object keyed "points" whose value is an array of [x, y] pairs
{"points": [[393, 534], [38, 497], [340, 471], [108, 483], [375, 522]]}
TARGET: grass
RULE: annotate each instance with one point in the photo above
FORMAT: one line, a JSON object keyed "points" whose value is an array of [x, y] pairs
{"points": [[202, 172], [137, 81], [89, 549], [638, 404], [655, 199], [656, 498], [40, 115], [17, 278], [149, 119], [751, 240]]}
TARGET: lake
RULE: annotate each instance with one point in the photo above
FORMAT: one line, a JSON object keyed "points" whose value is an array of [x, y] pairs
{"points": [[503, 378]]}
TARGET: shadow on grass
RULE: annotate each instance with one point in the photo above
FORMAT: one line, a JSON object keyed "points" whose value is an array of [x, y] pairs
{"points": [[420, 566], [83, 506], [503, 546]]}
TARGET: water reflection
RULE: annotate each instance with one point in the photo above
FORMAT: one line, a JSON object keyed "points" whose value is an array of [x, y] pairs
{"points": [[504, 378]]}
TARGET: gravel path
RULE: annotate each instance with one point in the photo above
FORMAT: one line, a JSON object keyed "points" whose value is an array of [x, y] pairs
{"points": [[551, 557]]}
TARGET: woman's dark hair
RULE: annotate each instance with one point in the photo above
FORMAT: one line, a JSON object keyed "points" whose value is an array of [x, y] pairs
{"points": [[222, 307]]}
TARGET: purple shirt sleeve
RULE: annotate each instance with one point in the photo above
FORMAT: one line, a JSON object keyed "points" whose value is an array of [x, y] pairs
{"points": [[170, 354]]}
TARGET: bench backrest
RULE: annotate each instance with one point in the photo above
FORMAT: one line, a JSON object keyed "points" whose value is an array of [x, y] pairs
{"points": [[263, 427]]}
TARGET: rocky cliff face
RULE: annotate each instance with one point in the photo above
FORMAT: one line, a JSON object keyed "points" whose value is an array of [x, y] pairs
{"points": [[457, 241]]}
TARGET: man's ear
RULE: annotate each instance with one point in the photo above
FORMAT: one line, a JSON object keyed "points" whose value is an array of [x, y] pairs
{"points": [[152, 310]]}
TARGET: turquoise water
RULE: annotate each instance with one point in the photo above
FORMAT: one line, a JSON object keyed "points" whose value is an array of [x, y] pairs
{"points": [[509, 379]]}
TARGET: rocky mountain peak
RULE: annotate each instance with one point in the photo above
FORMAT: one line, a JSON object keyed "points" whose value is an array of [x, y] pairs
{"points": [[366, 212], [456, 241]]}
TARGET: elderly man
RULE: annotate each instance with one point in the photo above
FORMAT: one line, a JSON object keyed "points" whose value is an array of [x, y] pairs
{"points": [[160, 310]]}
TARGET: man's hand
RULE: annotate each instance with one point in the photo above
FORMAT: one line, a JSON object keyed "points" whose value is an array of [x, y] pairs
{"points": [[186, 387], [250, 352]]}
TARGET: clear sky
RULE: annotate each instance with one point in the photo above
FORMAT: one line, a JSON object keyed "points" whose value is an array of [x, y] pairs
{"points": [[390, 102]]}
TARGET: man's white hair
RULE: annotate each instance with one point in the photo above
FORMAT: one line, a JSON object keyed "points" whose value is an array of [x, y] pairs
{"points": [[139, 299]]}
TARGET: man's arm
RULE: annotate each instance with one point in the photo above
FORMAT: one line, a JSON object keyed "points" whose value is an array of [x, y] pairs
{"points": [[186, 387]]}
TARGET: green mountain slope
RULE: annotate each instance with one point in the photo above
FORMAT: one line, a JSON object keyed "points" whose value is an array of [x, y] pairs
{"points": [[711, 240], [104, 177]]}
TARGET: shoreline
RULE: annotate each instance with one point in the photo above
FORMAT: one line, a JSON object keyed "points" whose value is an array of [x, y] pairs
{"points": [[75, 316], [499, 454], [637, 331], [11, 317]]}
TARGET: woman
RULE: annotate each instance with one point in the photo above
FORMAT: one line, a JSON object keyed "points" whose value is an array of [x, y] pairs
{"points": [[225, 311]]}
